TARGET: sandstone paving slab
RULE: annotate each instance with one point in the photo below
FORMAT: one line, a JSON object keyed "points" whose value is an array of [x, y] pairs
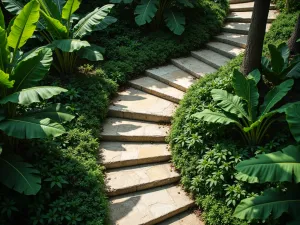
{"points": [[119, 129], [246, 6], [157, 88], [185, 218], [193, 66], [172, 76], [240, 28], [227, 50], [239, 1], [121, 154], [136, 104], [238, 40], [246, 16], [149, 207], [211, 58], [136, 178]]}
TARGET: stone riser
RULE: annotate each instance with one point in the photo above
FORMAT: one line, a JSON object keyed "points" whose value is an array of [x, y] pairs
{"points": [[235, 31]]}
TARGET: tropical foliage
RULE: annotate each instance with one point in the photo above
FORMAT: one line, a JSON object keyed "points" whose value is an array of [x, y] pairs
{"points": [[20, 74]]}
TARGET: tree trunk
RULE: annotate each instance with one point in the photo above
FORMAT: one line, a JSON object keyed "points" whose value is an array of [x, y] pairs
{"points": [[294, 46], [253, 53]]}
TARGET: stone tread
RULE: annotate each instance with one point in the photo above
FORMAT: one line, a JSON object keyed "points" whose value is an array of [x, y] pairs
{"points": [[246, 16], [246, 6], [136, 104], [121, 154], [227, 50], [238, 40], [211, 58], [185, 218], [140, 177], [119, 129], [160, 89], [193, 66], [240, 28], [239, 1], [172, 76], [149, 207]]}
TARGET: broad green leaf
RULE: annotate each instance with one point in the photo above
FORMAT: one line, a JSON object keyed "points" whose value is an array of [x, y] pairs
{"points": [[24, 25], [54, 27], [295, 72], [108, 20], [293, 119], [115, 1], [70, 45], [59, 4], [284, 51], [275, 95], [19, 175], [2, 21], [215, 117], [273, 167], [92, 53], [13, 6], [145, 11], [32, 69], [50, 8], [30, 127], [186, 3], [255, 75], [277, 61], [298, 40], [31, 95], [5, 81], [70, 7], [229, 103], [246, 89], [272, 203], [4, 52], [175, 21], [87, 24]]}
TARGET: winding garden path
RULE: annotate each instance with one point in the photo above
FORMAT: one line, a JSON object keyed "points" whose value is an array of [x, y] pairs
{"points": [[142, 184]]}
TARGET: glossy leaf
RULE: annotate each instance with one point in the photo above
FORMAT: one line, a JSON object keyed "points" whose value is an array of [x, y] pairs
{"points": [[5, 81], [293, 119], [2, 21], [108, 20], [50, 8], [215, 117], [255, 75], [70, 7], [175, 21], [13, 6], [59, 4], [4, 52], [70, 45], [145, 11], [55, 27], [295, 72], [284, 50], [92, 53], [277, 61]]}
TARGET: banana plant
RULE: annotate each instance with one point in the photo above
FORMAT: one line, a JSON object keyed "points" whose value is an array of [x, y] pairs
{"points": [[156, 11], [56, 26], [280, 166], [242, 110], [280, 67], [20, 74]]}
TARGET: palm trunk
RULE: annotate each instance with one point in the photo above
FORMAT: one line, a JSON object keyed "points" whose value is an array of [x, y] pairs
{"points": [[294, 46]]}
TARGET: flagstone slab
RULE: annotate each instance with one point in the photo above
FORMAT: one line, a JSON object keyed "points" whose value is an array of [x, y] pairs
{"points": [[136, 178], [240, 28], [136, 104], [246, 17], [172, 76], [247, 6], [160, 89], [238, 40], [227, 50], [193, 66], [239, 1], [211, 58], [185, 218], [119, 129], [122, 154], [149, 207]]}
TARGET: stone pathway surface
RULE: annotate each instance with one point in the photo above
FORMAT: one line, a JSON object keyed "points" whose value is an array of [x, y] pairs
{"points": [[141, 182]]}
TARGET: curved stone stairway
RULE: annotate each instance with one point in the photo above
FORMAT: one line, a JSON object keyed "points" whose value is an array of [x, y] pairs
{"points": [[142, 184]]}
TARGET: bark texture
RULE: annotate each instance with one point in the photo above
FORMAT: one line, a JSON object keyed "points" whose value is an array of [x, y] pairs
{"points": [[253, 53], [294, 46]]}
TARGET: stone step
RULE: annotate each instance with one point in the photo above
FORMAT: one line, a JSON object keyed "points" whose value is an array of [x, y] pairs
{"points": [[193, 66], [185, 218], [136, 104], [122, 154], [238, 40], [118, 129], [227, 50], [245, 17], [157, 88], [136, 178], [211, 58], [240, 28], [246, 6], [149, 207], [172, 76], [239, 1]]}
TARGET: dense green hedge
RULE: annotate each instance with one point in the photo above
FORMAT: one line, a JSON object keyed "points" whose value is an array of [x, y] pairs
{"points": [[205, 154]]}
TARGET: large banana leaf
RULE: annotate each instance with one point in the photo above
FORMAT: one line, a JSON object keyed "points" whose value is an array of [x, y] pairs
{"points": [[295, 72], [275, 95], [4, 52], [27, 127], [31, 95], [32, 69], [246, 89], [293, 119], [272, 203], [24, 25], [87, 24], [92, 53], [108, 20], [277, 61], [13, 6], [187, 3], [215, 117], [119, 1], [59, 4], [19, 175], [70, 7], [70, 45], [229, 103], [255, 75], [5, 81], [50, 8], [273, 167], [284, 50], [145, 11], [55, 27], [2, 21], [175, 21]]}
